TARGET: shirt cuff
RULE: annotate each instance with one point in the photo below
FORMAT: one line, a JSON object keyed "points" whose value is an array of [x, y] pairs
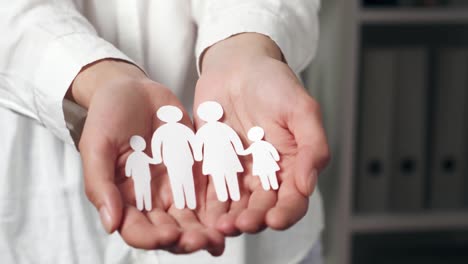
{"points": [[60, 64], [281, 31]]}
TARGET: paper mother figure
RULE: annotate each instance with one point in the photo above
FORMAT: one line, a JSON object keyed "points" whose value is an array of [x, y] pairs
{"points": [[220, 145]]}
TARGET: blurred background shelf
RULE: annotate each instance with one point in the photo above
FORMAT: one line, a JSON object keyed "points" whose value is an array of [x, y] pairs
{"points": [[349, 29], [409, 222], [413, 15]]}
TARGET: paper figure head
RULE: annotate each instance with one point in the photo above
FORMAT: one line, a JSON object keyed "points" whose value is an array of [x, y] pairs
{"points": [[169, 114], [256, 133], [137, 143], [210, 111]]}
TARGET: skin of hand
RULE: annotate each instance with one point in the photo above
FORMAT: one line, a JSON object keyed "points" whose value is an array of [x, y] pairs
{"points": [[246, 75], [122, 102]]}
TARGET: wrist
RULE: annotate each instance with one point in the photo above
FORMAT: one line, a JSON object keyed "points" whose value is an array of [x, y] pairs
{"points": [[100, 74], [239, 49]]}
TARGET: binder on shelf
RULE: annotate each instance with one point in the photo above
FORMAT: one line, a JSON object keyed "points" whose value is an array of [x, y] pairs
{"points": [[375, 128], [408, 176], [407, 3], [449, 130], [457, 3], [379, 3]]}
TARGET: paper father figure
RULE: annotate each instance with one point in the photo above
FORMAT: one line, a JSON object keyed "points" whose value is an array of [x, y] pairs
{"points": [[175, 140]]}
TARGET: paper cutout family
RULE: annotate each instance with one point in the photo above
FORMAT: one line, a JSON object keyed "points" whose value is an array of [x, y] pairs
{"points": [[217, 144]]}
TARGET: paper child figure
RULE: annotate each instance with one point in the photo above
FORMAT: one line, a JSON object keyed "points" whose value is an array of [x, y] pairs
{"points": [[219, 157], [174, 138], [264, 157], [137, 167]]}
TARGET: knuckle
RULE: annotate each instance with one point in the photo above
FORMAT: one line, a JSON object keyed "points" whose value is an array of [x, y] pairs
{"points": [[89, 191], [311, 106], [324, 156]]}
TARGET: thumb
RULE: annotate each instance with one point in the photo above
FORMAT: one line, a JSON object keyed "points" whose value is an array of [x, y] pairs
{"points": [[99, 170], [306, 174], [313, 153]]}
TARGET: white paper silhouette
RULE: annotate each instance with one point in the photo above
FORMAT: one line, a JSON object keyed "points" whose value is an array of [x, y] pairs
{"points": [[219, 157], [137, 167], [264, 158], [174, 139]]}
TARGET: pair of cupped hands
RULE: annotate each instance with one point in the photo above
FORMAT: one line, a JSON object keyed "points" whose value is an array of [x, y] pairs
{"points": [[246, 75]]}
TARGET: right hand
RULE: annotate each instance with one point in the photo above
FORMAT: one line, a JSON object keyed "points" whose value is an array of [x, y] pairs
{"points": [[122, 102]]}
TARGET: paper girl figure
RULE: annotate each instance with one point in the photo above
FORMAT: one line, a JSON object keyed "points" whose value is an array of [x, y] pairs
{"points": [[264, 157], [217, 142], [174, 138], [137, 167]]}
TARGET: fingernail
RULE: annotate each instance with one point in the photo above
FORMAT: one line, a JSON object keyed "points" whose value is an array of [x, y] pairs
{"points": [[105, 219], [311, 180]]}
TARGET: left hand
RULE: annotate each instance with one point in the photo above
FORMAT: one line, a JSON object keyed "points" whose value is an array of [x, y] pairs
{"points": [[246, 76]]}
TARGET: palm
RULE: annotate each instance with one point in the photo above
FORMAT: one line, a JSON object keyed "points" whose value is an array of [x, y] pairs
{"points": [[267, 95], [116, 113]]}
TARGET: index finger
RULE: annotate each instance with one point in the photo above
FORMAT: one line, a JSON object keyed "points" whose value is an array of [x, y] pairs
{"points": [[290, 207]]}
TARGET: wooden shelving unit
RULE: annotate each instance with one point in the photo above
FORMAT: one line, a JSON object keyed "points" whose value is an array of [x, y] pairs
{"points": [[413, 16], [409, 222], [340, 52]]}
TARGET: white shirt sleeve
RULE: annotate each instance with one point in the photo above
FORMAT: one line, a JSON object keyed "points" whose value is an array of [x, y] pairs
{"points": [[292, 24], [44, 46]]}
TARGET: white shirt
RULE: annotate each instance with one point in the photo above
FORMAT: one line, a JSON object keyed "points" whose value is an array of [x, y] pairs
{"points": [[44, 215]]}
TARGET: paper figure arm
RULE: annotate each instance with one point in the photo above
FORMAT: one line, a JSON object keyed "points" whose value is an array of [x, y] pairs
{"points": [[236, 142], [245, 152], [156, 143], [194, 143], [128, 166], [273, 151], [197, 152], [152, 160], [198, 147]]}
